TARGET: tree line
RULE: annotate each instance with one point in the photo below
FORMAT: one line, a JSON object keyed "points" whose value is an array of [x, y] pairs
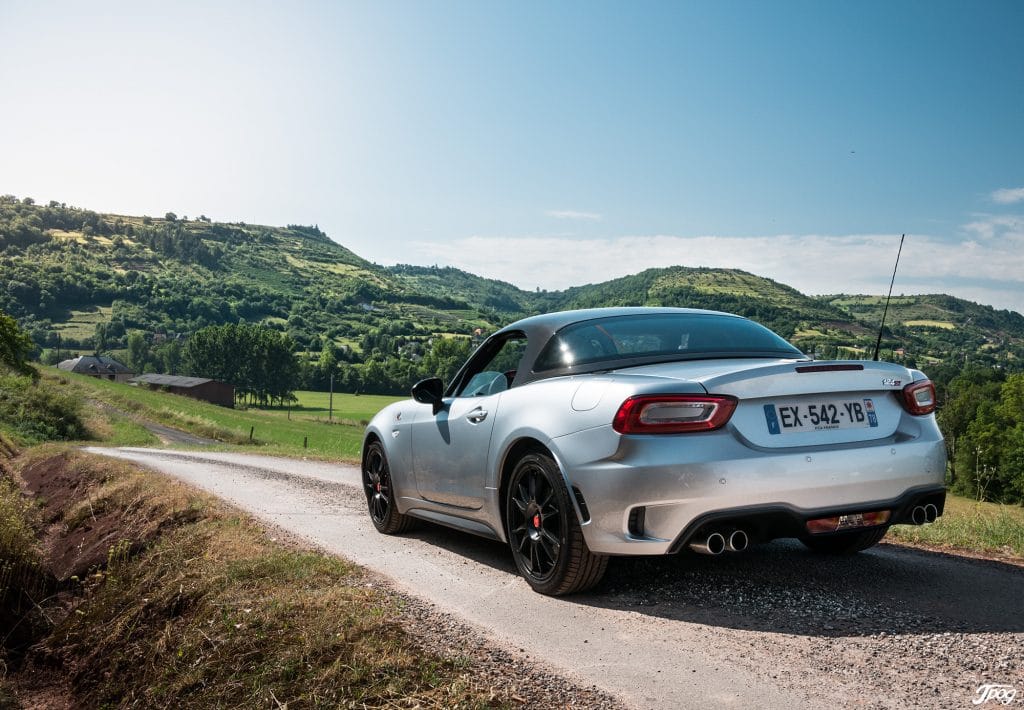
{"points": [[982, 419], [265, 367]]}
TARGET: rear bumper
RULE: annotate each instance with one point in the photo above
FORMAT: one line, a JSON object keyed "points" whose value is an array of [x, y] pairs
{"points": [[685, 483], [764, 523]]}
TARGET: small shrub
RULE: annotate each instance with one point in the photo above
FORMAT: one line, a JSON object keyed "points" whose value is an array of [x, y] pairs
{"points": [[33, 412]]}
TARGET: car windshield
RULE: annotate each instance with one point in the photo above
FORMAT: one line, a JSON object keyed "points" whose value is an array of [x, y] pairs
{"points": [[681, 336]]}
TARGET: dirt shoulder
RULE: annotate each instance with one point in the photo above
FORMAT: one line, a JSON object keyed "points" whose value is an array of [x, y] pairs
{"points": [[160, 595]]}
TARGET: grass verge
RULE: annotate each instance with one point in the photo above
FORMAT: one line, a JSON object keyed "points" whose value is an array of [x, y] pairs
{"points": [[115, 429], [21, 579], [271, 431], [986, 528], [171, 599]]}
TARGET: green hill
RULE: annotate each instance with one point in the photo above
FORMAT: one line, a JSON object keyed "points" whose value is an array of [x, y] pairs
{"points": [[501, 300], [82, 280], [943, 327], [925, 329], [74, 274]]}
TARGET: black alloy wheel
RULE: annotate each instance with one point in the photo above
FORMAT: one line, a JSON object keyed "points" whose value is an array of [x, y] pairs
{"points": [[544, 533], [380, 494]]}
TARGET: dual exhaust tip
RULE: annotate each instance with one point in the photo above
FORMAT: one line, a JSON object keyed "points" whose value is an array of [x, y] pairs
{"points": [[922, 514], [718, 542]]}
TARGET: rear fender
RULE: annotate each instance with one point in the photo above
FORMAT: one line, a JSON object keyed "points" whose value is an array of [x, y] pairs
{"points": [[532, 440]]}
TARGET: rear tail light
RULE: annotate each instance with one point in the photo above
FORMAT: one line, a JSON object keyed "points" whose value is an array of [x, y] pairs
{"points": [[848, 522], [919, 397], [673, 413]]}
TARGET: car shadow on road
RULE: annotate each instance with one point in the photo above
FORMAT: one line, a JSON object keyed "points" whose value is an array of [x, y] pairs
{"points": [[783, 588]]}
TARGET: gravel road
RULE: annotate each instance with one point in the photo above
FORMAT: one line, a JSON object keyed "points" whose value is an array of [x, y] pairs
{"points": [[774, 627]]}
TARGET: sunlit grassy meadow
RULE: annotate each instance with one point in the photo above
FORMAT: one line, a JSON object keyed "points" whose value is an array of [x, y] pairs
{"points": [[302, 430], [348, 408]]}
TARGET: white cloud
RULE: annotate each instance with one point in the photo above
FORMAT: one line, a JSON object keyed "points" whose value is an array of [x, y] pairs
{"points": [[574, 214], [1008, 195], [988, 227], [987, 267]]}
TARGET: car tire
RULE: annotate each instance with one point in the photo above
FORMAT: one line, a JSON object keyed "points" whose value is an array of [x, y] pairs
{"points": [[544, 532], [380, 492], [845, 543]]}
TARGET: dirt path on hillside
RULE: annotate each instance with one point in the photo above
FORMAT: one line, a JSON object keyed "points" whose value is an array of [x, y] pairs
{"points": [[776, 627], [167, 435]]}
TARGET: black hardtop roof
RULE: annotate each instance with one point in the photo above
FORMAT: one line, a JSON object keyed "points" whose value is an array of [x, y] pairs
{"points": [[539, 329], [550, 323]]}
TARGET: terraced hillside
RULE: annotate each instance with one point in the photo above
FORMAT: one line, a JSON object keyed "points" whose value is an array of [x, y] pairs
{"points": [[90, 279], [947, 328]]}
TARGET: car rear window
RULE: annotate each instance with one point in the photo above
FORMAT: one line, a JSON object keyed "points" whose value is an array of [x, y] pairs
{"points": [[684, 336]]}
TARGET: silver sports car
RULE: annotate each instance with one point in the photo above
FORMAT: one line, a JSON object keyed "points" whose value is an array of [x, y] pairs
{"points": [[645, 431]]}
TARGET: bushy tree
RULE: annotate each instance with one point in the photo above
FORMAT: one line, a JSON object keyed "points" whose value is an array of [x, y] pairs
{"points": [[15, 347], [988, 455], [959, 402], [168, 357], [138, 351], [258, 361]]}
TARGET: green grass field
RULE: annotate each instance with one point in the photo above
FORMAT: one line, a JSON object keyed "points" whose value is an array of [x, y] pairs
{"points": [[304, 431], [82, 324], [348, 408], [945, 325]]}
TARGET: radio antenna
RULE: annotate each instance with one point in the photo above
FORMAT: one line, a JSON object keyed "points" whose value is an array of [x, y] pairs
{"points": [[881, 326]]}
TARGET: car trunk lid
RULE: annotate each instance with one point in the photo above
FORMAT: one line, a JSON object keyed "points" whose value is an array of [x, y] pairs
{"points": [[787, 403]]}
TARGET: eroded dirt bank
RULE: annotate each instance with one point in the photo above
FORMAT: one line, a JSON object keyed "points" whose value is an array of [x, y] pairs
{"points": [[152, 593]]}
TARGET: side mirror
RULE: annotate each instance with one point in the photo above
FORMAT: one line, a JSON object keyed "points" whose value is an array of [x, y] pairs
{"points": [[430, 391]]}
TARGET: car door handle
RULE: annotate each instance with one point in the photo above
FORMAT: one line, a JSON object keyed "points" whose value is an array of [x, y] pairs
{"points": [[477, 415]]}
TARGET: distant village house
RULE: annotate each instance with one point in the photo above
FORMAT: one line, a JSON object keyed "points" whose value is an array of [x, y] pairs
{"points": [[101, 366]]}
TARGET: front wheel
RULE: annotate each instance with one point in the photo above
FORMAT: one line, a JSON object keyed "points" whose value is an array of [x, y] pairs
{"points": [[545, 536], [846, 543], [380, 493]]}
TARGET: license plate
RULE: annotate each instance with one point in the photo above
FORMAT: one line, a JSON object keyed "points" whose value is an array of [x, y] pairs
{"points": [[788, 418]]}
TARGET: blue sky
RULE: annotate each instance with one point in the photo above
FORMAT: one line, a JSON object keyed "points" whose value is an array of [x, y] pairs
{"points": [[547, 144]]}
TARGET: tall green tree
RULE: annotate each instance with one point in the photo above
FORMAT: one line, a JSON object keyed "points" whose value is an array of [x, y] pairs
{"points": [[15, 347], [258, 361], [960, 401], [168, 357], [989, 454], [138, 351]]}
